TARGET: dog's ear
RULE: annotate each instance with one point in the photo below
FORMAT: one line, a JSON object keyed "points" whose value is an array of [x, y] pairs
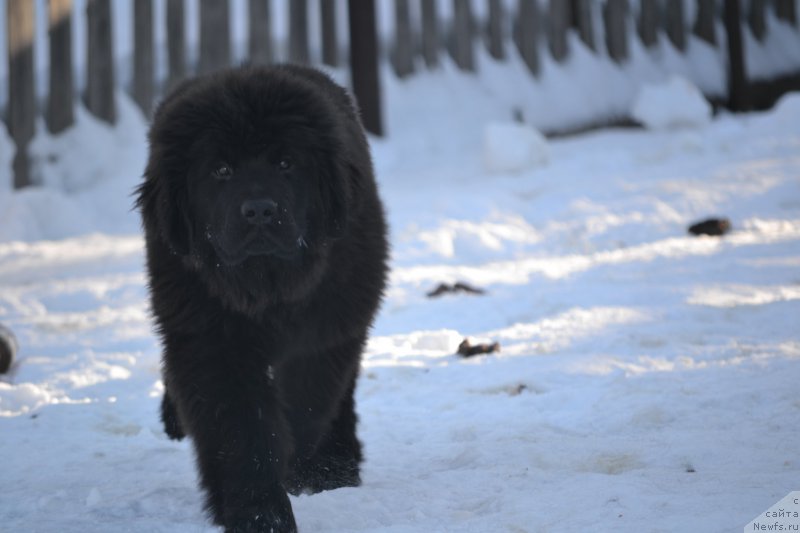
{"points": [[164, 211]]}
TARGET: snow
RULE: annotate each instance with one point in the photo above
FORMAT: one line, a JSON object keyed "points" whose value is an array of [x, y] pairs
{"points": [[647, 379], [675, 103], [509, 147]]}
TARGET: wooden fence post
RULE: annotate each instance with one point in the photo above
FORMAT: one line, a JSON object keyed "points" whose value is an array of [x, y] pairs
{"points": [[402, 55], [260, 32], [298, 31], [676, 27], [176, 43], [649, 18], [704, 26], [615, 16], [364, 63], [786, 11], [61, 95], [558, 23], [330, 43], [430, 33], [757, 18], [21, 97], [99, 97], [463, 52], [215, 38], [583, 21], [143, 55], [526, 30], [737, 79], [495, 33]]}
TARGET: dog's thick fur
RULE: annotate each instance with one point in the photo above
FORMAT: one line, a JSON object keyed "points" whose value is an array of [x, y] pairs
{"points": [[263, 312]]}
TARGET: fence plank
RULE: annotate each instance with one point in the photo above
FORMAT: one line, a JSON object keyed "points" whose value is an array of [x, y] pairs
{"points": [[215, 38], [526, 31], [462, 50], [558, 23], [143, 55], [364, 63], [676, 27], [648, 23], [260, 32], [176, 43], [495, 34], [583, 21], [402, 56], [330, 43], [786, 10], [430, 33], [615, 17], [21, 98], [99, 97], [60, 113], [757, 18], [737, 79], [298, 31], [704, 26]]}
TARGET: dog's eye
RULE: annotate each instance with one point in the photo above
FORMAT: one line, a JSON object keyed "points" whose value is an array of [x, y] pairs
{"points": [[285, 163], [223, 172]]}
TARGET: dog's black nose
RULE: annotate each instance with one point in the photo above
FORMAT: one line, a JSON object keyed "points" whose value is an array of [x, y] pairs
{"points": [[261, 211]]}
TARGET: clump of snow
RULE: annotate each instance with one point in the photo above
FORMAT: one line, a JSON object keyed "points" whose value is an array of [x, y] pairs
{"points": [[675, 103], [94, 498], [82, 156], [512, 147], [788, 106], [38, 212], [84, 178]]}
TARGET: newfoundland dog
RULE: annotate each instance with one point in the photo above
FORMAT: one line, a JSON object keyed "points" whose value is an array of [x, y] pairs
{"points": [[266, 253]]}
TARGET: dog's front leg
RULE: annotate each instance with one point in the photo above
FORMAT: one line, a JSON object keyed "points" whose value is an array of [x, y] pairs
{"points": [[242, 441]]}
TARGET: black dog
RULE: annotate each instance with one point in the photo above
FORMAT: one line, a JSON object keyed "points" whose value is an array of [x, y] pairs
{"points": [[266, 251]]}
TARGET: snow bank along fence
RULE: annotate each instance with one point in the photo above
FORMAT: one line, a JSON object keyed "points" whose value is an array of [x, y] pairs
{"points": [[533, 27]]}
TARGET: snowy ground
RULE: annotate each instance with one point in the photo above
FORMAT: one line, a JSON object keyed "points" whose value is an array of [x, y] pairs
{"points": [[648, 380]]}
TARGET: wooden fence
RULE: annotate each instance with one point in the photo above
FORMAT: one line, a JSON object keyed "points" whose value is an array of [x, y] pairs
{"points": [[533, 27]]}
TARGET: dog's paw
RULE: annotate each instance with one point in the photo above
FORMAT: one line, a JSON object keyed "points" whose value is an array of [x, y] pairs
{"points": [[273, 517], [323, 473]]}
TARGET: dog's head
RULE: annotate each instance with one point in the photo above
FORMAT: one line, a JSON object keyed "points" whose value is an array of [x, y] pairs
{"points": [[251, 163]]}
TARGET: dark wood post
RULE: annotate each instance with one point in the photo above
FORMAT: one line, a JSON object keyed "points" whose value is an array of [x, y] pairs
{"points": [[704, 26], [330, 43], [215, 36], [738, 99], [786, 11], [583, 21], [60, 113], [21, 97], [615, 16], [527, 27], [676, 27], [176, 43], [143, 55], [364, 63], [402, 54], [463, 52], [757, 18], [648, 22], [298, 31], [99, 97], [558, 23], [260, 38], [430, 33], [496, 33]]}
